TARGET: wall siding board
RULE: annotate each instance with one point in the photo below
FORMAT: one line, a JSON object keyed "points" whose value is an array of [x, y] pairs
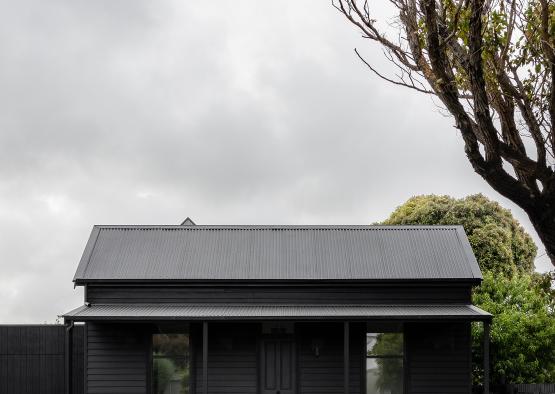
{"points": [[373, 294], [235, 369], [32, 359], [438, 358], [324, 374], [232, 358], [116, 359]]}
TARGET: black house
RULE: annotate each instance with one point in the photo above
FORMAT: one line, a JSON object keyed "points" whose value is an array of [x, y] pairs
{"points": [[277, 309]]}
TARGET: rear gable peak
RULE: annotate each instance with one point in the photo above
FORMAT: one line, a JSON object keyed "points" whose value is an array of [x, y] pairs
{"points": [[188, 222]]}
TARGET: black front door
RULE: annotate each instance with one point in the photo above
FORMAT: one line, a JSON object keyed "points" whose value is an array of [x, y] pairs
{"points": [[278, 366]]}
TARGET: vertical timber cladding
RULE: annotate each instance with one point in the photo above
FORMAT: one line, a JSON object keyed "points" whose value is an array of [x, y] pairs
{"points": [[438, 358], [32, 359], [117, 358]]}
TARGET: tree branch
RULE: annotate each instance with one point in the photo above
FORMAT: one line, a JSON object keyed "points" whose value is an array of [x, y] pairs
{"points": [[399, 83]]}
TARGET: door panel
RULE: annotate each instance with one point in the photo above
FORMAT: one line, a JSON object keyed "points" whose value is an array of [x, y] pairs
{"points": [[287, 367], [270, 358], [278, 366]]}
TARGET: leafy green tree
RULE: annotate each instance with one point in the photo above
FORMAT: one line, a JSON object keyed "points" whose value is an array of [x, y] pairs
{"points": [[523, 329], [497, 239], [522, 301]]}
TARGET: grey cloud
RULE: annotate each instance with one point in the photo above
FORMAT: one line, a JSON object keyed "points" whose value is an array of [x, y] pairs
{"points": [[228, 112]]}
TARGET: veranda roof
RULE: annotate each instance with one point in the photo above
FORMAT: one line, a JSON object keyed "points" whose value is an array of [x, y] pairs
{"points": [[124, 312]]}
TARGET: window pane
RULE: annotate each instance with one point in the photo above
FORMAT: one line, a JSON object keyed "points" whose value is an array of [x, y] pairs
{"points": [[384, 375], [170, 345], [170, 363], [170, 376], [384, 344]]}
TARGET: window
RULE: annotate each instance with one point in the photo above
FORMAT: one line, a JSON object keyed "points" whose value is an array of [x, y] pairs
{"points": [[170, 364], [384, 363]]}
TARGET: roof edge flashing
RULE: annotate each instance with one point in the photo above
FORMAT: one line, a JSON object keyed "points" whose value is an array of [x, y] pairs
{"points": [[87, 253], [346, 281], [467, 248]]}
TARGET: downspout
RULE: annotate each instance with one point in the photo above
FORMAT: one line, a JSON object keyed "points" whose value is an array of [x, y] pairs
{"points": [[68, 357]]}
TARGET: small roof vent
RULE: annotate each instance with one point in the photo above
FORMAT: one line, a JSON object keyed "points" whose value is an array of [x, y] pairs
{"points": [[188, 222]]}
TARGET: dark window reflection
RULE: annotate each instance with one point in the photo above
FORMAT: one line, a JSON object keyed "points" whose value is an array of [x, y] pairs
{"points": [[384, 363], [170, 363]]}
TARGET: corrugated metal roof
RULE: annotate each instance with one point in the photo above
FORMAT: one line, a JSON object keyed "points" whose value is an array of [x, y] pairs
{"points": [[277, 253], [259, 312]]}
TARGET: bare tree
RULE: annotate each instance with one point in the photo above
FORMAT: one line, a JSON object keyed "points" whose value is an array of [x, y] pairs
{"points": [[492, 65]]}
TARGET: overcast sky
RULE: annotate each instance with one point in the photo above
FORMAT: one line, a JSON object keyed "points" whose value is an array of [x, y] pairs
{"points": [[230, 112]]}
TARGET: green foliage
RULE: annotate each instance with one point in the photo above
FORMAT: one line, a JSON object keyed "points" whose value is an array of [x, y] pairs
{"points": [[162, 372], [170, 366], [497, 239], [390, 378], [387, 344], [521, 301], [185, 377], [508, 42], [523, 328]]}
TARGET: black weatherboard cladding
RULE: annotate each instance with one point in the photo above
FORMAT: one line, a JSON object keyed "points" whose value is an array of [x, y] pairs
{"points": [[324, 373], [234, 356], [117, 359], [282, 294], [438, 358], [232, 359]]}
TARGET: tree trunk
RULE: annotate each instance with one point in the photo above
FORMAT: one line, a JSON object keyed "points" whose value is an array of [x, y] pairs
{"points": [[543, 219]]}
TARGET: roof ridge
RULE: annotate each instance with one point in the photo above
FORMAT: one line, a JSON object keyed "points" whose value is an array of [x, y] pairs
{"points": [[277, 227]]}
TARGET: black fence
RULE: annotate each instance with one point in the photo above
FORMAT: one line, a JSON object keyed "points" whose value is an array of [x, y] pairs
{"points": [[541, 388], [33, 361]]}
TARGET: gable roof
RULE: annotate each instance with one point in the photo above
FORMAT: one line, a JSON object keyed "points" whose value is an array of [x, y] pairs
{"points": [[280, 253]]}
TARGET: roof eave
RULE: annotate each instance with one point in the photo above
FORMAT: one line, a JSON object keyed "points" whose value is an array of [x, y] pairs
{"points": [[412, 281], [271, 312]]}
